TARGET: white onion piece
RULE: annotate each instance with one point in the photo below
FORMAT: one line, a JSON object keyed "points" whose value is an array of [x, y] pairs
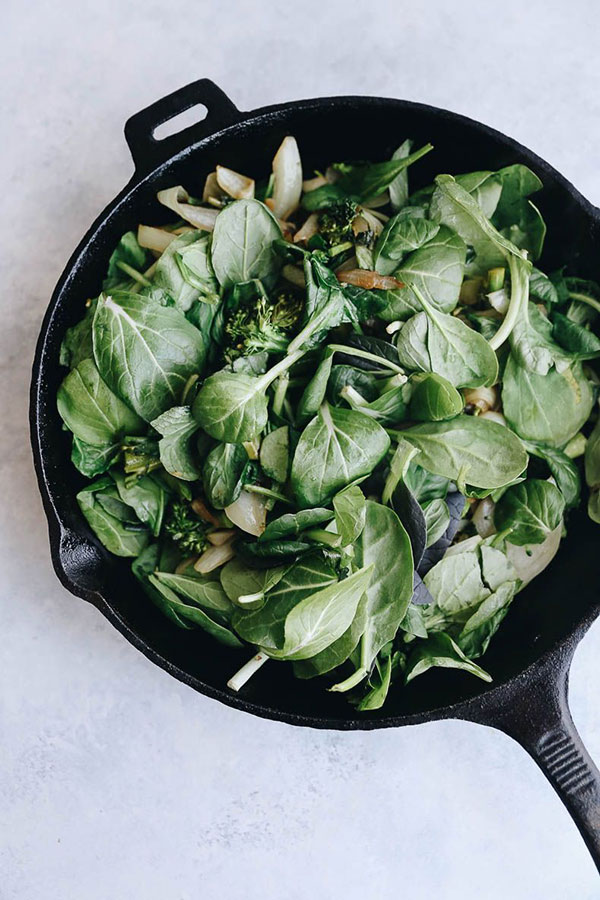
{"points": [[238, 186], [310, 227], [541, 555], [498, 300], [483, 517], [154, 238], [214, 558], [211, 191], [484, 398], [366, 278], [377, 201], [287, 182], [313, 183], [218, 538], [366, 221], [248, 512], [176, 198]]}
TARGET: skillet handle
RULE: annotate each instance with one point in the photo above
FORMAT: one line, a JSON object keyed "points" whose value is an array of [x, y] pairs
{"points": [[538, 717], [148, 152]]}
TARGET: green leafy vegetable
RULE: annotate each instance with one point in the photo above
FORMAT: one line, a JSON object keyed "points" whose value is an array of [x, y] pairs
{"points": [[222, 474], [529, 511], [176, 447], [242, 243]]}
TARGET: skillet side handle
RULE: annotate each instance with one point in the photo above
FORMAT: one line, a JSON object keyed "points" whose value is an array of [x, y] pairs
{"points": [[539, 718], [148, 152]]}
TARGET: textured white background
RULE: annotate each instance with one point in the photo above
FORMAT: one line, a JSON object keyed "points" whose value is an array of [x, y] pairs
{"points": [[115, 780]]}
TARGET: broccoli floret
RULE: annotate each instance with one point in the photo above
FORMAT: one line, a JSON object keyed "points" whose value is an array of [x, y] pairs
{"points": [[335, 222], [186, 529], [262, 325]]}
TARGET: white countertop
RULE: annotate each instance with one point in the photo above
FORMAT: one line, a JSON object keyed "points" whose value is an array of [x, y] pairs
{"points": [[116, 781]]}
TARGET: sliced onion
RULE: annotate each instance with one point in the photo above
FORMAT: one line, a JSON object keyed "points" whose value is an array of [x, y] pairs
{"points": [[365, 278], [379, 200], [238, 186], [176, 198], [214, 558], [366, 221], [310, 228], [185, 564], [154, 238], [484, 398], [212, 191], [248, 512], [313, 183], [220, 537], [498, 300], [204, 512], [287, 182]]}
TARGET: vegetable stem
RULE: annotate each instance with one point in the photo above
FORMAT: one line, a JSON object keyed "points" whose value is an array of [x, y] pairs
{"points": [[133, 273], [519, 297], [237, 681], [282, 366], [364, 354], [323, 536], [267, 492], [585, 298]]}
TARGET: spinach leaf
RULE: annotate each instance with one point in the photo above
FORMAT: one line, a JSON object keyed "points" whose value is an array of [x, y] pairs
{"points": [[424, 485], [437, 519], [314, 392], [365, 352], [77, 342], [275, 454], [578, 341], [436, 269], [350, 508], [529, 511], [273, 553], [434, 399], [265, 627], [410, 513], [453, 206], [247, 587], [389, 408], [433, 341], [338, 652], [233, 407], [200, 590], [321, 618], [222, 474], [547, 408], [398, 188], [515, 216], [592, 472], [468, 449], [126, 256], [361, 182], [109, 530], [335, 448], [142, 567], [402, 235], [379, 683], [383, 547], [350, 376], [145, 352], [183, 272], [147, 496], [294, 523], [440, 650], [480, 628], [91, 410], [195, 614], [91, 460], [532, 344], [242, 244], [562, 468], [325, 306], [176, 447]]}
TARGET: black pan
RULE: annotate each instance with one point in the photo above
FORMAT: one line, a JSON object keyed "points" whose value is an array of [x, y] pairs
{"points": [[530, 657]]}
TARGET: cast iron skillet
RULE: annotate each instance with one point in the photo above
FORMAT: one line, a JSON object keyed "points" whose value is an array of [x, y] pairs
{"points": [[530, 657]]}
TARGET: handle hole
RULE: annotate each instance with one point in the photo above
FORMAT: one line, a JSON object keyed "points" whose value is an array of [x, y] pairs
{"points": [[196, 113]]}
